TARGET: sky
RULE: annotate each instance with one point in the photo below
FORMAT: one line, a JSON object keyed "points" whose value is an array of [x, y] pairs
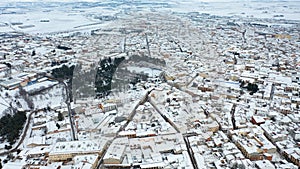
{"points": [[142, 0], [105, 0]]}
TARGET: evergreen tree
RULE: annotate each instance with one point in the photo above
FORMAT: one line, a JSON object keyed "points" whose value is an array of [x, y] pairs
{"points": [[58, 126], [60, 116], [33, 53]]}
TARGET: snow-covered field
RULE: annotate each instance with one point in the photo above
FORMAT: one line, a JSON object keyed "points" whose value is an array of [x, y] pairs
{"points": [[43, 18], [7, 97], [249, 9], [148, 71], [52, 17], [53, 97], [3, 105]]}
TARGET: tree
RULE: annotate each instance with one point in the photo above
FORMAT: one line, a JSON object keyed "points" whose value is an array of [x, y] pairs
{"points": [[10, 156], [7, 147], [60, 116], [33, 53], [57, 125], [242, 83], [252, 87]]}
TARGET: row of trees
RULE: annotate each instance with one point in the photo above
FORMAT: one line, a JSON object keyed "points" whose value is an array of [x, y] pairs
{"points": [[11, 125], [105, 73], [63, 72]]}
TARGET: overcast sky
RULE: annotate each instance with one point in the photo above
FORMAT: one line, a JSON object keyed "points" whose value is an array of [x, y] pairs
{"points": [[106, 0], [141, 0]]}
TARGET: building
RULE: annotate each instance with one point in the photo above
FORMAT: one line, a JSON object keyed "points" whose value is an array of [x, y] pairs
{"points": [[262, 164], [293, 154], [65, 151], [10, 84], [114, 154]]}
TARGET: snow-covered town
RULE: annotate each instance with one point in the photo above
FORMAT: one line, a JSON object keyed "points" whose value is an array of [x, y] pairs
{"points": [[144, 84]]}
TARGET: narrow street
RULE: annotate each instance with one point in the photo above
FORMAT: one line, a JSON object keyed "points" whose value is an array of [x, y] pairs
{"points": [[133, 111], [185, 136], [193, 78], [190, 151], [163, 116]]}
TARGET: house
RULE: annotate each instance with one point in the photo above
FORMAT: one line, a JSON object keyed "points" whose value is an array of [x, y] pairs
{"points": [[115, 154], [263, 164], [257, 120], [293, 154], [87, 161]]}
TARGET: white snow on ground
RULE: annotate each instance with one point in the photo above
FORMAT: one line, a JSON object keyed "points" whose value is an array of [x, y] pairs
{"points": [[57, 21], [82, 18], [2, 105], [257, 9], [104, 0], [44, 20], [7, 96], [52, 1], [149, 71], [4, 28], [52, 97]]}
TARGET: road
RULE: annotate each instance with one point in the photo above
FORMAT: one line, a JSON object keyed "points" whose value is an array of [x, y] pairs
{"points": [[147, 43], [232, 112], [205, 111], [68, 105], [272, 91], [186, 135], [164, 116], [193, 78], [189, 149], [186, 140], [133, 112]]}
